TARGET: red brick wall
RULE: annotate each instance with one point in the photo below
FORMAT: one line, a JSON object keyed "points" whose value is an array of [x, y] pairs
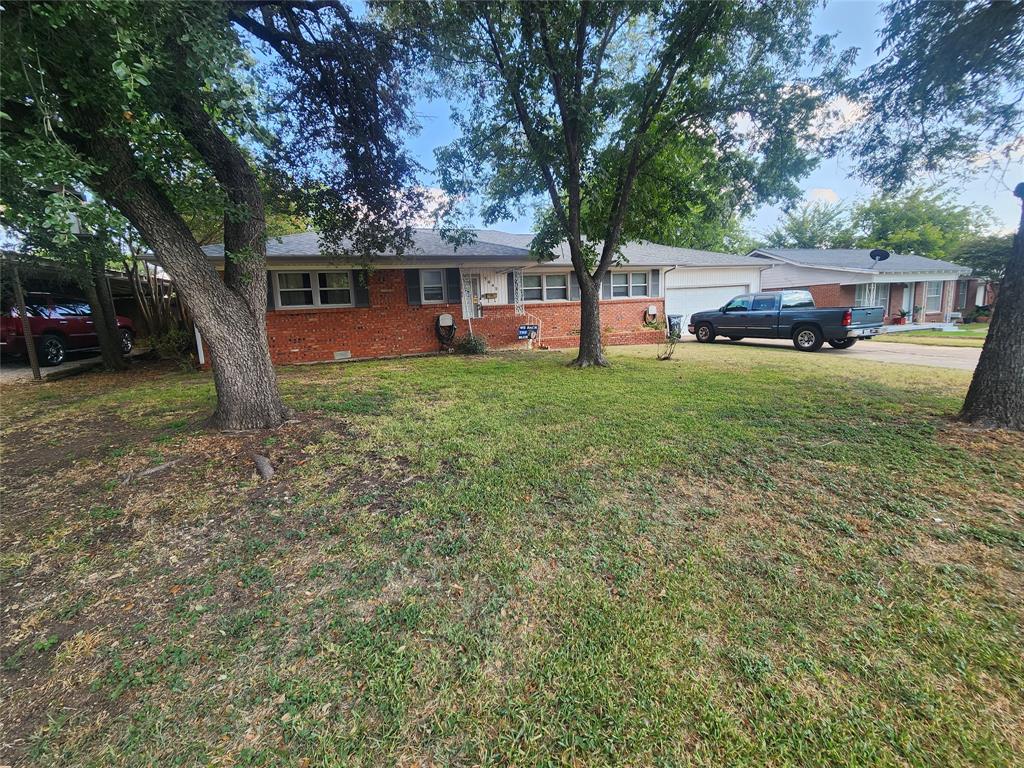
{"points": [[830, 294], [390, 326]]}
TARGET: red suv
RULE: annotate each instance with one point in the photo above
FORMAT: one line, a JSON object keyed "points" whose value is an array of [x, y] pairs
{"points": [[59, 325]]}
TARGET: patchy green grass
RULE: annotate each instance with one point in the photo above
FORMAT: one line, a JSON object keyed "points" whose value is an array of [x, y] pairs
{"points": [[745, 556], [968, 335]]}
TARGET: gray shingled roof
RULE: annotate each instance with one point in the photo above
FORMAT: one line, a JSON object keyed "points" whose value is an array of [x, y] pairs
{"points": [[857, 259], [502, 248], [428, 245]]}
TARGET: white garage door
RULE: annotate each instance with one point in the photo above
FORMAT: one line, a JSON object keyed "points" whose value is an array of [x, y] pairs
{"points": [[686, 301]]}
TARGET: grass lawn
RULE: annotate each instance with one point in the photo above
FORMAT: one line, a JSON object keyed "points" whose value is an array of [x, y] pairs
{"points": [[969, 335], [740, 557]]}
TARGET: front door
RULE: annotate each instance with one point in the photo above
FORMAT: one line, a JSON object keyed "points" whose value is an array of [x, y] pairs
{"points": [[471, 307]]}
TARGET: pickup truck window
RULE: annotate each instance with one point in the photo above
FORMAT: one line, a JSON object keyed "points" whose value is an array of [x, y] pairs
{"points": [[763, 304], [797, 300], [739, 304]]}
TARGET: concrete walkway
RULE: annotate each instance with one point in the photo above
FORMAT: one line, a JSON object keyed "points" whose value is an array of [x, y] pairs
{"points": [[961, 358]]}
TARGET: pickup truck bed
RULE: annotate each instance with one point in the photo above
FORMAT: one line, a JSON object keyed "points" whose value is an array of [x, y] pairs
{"points": [[787, 315]]}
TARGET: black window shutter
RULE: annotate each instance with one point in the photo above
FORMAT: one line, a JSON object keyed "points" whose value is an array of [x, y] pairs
{"points": [[361, 288], [511, 288], [606, 286], [453, 286], [574, 287], [412, 286], [270, 292], [655, 282]]}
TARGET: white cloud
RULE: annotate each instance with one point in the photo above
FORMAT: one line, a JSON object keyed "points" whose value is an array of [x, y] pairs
{"points": [[822, 195], [836, 116]]}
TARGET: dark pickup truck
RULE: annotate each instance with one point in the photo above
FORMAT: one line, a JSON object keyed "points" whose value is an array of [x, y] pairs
{"points": [[787, 315]]}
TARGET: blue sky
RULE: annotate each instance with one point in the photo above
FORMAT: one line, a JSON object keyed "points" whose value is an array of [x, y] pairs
{"points": [[857, 23]]}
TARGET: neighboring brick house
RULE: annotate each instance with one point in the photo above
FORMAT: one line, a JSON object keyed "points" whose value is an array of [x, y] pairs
{"points": [[319, 309], [849, 277]]}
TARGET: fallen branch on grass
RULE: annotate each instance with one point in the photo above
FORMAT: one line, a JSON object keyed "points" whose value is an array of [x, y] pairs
{"points": [[263, 466]]}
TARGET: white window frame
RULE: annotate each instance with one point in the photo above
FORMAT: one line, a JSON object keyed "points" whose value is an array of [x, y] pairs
{"points": [[423, 285], [873, 295], [540, 287], [647, 284], [630, 285], [928, 296], [552, 288], [314, 282]]}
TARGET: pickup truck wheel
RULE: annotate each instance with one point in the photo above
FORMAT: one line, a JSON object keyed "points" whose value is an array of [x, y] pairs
{"points": [[807, 339], [51, 350], [841, 343], [127, 341], [705, 333]]}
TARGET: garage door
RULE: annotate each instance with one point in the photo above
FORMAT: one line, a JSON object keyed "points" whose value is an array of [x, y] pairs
{"points": [[686, 301]]}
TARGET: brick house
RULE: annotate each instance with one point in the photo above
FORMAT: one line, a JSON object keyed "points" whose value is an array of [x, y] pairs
{"points": [[841, 277], [320, 309]]}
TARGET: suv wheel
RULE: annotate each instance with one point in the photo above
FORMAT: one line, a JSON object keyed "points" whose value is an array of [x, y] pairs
{"points": [[841, 343], [705, 333], [127, 341], [52, 350], [807, 339]]}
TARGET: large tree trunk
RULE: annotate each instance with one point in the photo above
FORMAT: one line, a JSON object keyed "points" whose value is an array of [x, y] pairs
{"points": [[590, 352], [230, 318], [996, 396]]}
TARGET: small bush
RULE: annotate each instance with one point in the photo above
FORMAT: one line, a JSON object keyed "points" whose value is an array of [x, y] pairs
{"points": [[471, 345], [173, 344]]}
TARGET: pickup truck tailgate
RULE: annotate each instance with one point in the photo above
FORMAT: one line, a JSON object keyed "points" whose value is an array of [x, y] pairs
{"points": [[867, 317]]}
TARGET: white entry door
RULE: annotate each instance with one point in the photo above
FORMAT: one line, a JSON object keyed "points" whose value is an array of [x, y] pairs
{"points": [[686, 301]]}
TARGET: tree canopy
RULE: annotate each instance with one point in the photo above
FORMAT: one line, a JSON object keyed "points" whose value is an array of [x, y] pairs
{"points": [[629, 120], [166, 109], [947, 92], [928, 223]]}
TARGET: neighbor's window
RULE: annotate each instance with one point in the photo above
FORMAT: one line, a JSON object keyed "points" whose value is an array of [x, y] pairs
{"points": [[961, 294], [868, 295], [637, 283], [335, 288], [533, 288], [556, 287], [625, 284], [294, 289], [432, 286], [933, 297]]}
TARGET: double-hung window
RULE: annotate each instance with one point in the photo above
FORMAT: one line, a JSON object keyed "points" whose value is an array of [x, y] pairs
{"points": [[533, 288], [933, 296], [556, 287], [545, 287], [626, 284], [314, 289], [335, 288], [294, 289], [432, 286]]}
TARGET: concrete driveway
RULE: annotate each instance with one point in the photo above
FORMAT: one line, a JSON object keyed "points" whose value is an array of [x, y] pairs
{"points": [[961, 358]]}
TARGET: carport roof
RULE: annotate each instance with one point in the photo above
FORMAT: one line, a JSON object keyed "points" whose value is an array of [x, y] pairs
{"points": [[505, 248], [857, 260]]}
